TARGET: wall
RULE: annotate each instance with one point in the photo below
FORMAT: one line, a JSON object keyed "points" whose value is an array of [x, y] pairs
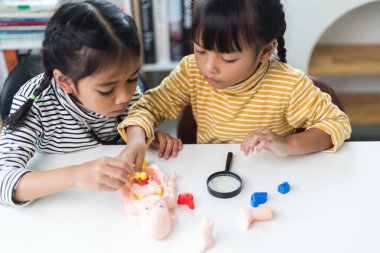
{"points": [[307, 21]]}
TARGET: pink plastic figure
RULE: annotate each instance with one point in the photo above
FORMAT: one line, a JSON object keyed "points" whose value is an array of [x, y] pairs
{"points": [[261, 213], [151, 204], [207, 239]]}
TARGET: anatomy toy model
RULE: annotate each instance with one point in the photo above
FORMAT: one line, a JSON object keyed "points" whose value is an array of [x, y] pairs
{"points": [[151, 202], [207, 239], [261, 213]]}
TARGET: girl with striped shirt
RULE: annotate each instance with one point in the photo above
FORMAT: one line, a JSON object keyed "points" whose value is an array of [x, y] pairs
{"points": [[239, 90], [91, 57]]}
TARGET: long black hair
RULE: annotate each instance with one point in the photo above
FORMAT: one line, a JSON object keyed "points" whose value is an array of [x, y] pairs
{"points": [[81, 38], [226, 25]]}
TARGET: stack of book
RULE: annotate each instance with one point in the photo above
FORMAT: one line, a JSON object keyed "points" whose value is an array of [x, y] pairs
{"points": [[22, 25], [165, 26]]}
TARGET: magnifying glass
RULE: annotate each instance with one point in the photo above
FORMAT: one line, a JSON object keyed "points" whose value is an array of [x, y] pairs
{"points": [[224, 184]]}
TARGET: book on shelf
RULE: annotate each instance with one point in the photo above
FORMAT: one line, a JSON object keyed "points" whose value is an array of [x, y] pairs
{"points": [[11, 59], [187, 21], [175, 30], [21, 23], [13, 39], [147, 30], [28, 5], [161, 31]]}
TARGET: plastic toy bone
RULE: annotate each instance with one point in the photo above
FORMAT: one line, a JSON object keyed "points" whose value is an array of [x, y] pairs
{"points": [[151, 205], [261, 213], [207, 239]]}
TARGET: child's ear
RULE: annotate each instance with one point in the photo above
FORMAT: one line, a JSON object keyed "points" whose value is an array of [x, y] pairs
{"points": [[63, 81], [267, 50]]}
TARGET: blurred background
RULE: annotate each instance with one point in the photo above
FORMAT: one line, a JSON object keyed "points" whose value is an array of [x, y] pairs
{"points": [[336, 41]]}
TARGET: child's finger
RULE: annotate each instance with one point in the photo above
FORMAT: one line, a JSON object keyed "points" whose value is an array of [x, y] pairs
{"points": [[169, 148], [155, 143], [260, 146], [118, 172], [139, 161], [162, 142], [112, 183], [180, 144], [175, 148], [104, 187], [116, 163]]}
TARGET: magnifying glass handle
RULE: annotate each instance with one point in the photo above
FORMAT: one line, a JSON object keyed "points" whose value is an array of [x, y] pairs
{"points": [[228, 162]]}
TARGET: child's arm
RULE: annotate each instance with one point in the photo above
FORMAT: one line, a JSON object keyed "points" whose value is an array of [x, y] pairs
{"points": [[310, 108], [309, 141], [327, 127], [105, 173], [164, 102], [20, 185]]}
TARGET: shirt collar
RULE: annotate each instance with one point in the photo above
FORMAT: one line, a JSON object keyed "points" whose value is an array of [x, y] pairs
{"points": [[77, 110], [251, 83]]}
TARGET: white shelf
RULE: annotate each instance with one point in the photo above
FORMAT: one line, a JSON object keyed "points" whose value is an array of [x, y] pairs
{"points": [[18, 45], [165, 66]]}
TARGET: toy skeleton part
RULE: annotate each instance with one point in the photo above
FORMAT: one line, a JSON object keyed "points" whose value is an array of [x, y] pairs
{"points": [[207, 239], [261, 213], [151, 203]]}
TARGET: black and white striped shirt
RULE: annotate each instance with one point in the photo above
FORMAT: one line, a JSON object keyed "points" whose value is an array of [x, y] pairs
{"points": [[55, 124]]}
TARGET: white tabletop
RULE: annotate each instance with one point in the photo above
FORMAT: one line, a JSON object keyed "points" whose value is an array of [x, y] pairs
{"points": [[333, 206]]}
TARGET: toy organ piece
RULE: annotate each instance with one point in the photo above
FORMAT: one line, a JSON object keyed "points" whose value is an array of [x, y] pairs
{"points": [[261, 213], [258, 198], [186, 199], [151, 204], [207, 238], [140, 177], [284, 188]]}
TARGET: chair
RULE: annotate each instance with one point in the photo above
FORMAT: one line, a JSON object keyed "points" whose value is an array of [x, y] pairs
{"points": [[24, 71], [187, 127]]}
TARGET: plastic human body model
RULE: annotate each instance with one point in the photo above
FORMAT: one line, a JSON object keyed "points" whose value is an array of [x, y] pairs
{"points": [[207, 239], [262, 213], [152, 204]]}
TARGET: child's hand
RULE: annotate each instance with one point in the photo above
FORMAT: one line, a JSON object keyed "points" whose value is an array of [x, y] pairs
{"points": [[134, 154], [105, 173], [265, 139], [167, 146]]}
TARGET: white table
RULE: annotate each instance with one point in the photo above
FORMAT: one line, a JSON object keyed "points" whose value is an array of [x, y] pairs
{"points": [[333, 206]]}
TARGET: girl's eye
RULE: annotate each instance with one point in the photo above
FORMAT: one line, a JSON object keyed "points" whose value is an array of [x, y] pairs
{"points": [[132, 80], [105, 93], [229, 61], [199, 51]]}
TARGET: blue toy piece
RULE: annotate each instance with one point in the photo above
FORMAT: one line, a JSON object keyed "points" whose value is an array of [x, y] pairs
{"points": [[284, 188], [258, 198]]}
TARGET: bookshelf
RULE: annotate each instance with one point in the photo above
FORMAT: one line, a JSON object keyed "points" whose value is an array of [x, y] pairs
{"points": [[164, 24], [349, 60], [22, 26], [345, 60]]}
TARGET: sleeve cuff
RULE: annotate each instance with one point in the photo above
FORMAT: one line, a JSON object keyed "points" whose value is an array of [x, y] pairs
{"points": [[9, 184], [149, 131], [334, 138]]}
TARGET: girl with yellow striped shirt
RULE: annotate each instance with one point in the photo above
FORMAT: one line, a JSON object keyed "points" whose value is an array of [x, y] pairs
{"points": [[239, 90]]}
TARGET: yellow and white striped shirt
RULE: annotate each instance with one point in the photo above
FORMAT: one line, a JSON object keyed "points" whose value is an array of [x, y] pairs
{"points": [[276, 97]]}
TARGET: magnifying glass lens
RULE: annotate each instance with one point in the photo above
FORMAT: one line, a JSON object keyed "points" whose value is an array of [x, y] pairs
{"points": [[224, 184]]}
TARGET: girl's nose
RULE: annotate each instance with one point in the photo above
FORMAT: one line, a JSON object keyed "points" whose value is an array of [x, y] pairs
{"points": [[211, 66], [123, 97]]}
